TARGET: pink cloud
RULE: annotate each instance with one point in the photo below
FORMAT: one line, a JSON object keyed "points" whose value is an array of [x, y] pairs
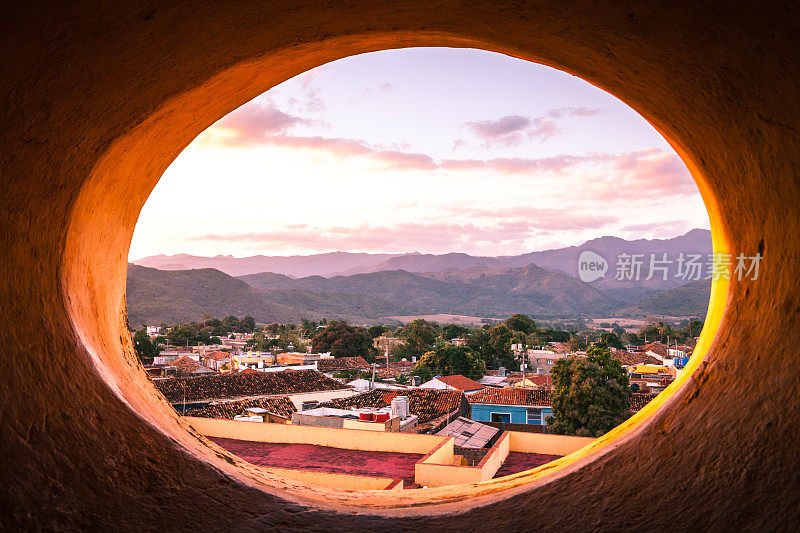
{"points": [[573, 111], [254, 125], [541, 220], [399, 237], [462, 164], [659, 227], [512, 130], [516, 165], [633, 175], [500, 127], [414, 236], [341, 148], [396, 160], [648, 173]]}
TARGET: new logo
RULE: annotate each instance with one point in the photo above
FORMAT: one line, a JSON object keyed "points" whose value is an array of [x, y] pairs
{"points": [[591, 266]]}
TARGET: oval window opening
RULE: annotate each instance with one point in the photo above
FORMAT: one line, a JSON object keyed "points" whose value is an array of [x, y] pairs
{"points": [[420, 267]]}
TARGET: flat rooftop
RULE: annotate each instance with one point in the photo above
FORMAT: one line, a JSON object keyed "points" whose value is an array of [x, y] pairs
{"points": [[325, 459], [519, 462]]}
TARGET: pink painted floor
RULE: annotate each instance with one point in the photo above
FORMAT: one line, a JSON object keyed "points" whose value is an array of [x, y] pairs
{"points": [[519, 462], [325, 459]]}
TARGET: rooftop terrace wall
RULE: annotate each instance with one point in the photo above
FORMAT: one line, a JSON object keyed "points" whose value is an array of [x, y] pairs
{"points": [[353, 439]]}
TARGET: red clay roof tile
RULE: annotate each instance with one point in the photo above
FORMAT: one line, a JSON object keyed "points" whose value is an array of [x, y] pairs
{"points": [[228, 386]]}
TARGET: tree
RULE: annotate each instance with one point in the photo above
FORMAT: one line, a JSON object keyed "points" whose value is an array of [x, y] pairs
{"points": [[693, 329], [591, 395], [398, 352], [447, 360], [308, 328], [658, 331], [577, 343], [551, 335], [453, 331], [500, 339], [247, 324], [144, 347], [343, 340], [286, 340], [377, 331], [522, 323], [479, 342], [419, 335], [610, 340], [633, 338]]}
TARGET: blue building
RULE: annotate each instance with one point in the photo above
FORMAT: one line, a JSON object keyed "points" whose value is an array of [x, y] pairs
{"points": [[511, 406]]}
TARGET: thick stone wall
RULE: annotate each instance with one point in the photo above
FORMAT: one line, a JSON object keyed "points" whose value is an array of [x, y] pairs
{"points": [[100, 96]]}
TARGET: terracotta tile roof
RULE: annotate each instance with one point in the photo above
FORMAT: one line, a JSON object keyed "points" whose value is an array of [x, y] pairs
{"points": [[342, 363], [218, 356], [640, 399], [657, 347], [462, 383], [511, 396], [185, 364], [280, 405], [228, 386], [536, 380], [394, 369], [634, 358], [427, 404], [560, 347]]}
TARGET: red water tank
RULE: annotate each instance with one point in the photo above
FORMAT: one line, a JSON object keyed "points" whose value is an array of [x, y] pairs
{"points": [[366, 416], [382, 416]]}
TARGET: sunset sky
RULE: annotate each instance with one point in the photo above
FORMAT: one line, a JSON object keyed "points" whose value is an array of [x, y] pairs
{"points": [[428, 150]]}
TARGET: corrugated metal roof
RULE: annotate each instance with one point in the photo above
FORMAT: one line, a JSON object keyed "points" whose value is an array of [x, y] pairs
{"points": [[467, 433]]}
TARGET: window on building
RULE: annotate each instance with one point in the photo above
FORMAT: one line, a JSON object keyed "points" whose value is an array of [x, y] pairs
{"points": [[501, 417], [535, 416]]}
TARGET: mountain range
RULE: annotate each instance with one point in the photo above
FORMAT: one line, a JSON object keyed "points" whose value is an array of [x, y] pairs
{"points": [[331, 264], [373, 286]]}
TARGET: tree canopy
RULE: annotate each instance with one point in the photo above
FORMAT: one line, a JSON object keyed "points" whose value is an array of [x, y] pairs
{"points": [[447, 360], [344, 340], [591, 395], [453, 331], [144, 347], [283, 339], [419, 336], [610, 340], [522, 323]]}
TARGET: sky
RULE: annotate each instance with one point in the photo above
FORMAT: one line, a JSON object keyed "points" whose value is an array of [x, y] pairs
{"points": [[428, 150]]}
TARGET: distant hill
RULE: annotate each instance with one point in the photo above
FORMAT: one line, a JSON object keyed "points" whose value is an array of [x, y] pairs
{"points": [[296, 266], [428, 263], [347, 264], [687, 300], [565, 260], [156, 296], [476, 292], [175, 296], [540, 284]]}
